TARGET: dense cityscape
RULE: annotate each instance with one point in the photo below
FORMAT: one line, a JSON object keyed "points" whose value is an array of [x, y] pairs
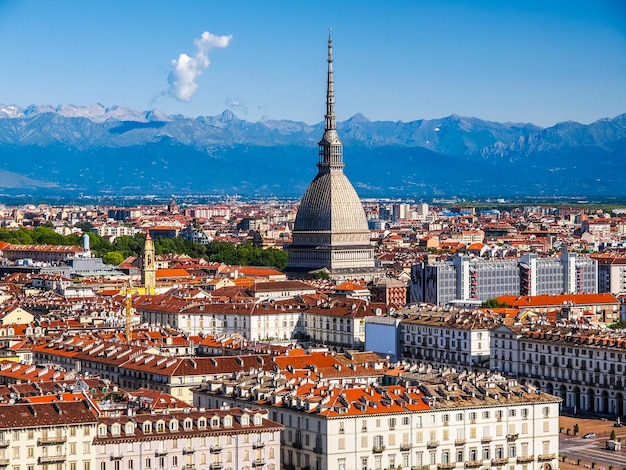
{"points": [[323, 333]]}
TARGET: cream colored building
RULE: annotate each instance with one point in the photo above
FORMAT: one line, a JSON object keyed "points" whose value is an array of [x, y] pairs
{"points": [[217, 439], [47, 435], [445, 422]]}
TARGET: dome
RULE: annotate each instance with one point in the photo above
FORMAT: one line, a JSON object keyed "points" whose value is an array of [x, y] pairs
{"points": [[330, 203]]}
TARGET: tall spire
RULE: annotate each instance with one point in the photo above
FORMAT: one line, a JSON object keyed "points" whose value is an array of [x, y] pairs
{"points": [[330, 147], [331, 123]]}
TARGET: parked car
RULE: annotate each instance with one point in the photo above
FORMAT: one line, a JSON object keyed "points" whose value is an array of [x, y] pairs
{"points": [[590, 435]]}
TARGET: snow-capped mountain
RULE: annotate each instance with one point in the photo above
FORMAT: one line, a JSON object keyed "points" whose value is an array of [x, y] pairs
{"points": [[97, 148]]}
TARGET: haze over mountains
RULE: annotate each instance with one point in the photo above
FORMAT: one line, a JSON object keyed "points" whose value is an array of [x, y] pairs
{"points": [[98, 150]]}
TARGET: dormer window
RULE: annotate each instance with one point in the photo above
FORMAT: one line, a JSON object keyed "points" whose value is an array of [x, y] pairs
{"points": [[115, 429], [202, 423], [215, 422], [188, 424], [160, 426], [102, 430], [245, 420], [258, 420], [147, 427], [129, 428], [173, 425], [228, 421]]}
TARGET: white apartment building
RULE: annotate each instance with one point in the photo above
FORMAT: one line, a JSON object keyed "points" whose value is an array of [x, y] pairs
{"points": [[471, 421], [47, 435], [584, 366], [454, 338], [217, 439]]}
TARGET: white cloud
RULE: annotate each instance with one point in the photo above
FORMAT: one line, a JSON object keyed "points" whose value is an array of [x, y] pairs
{"points": [[186, 70], [237, 105]]}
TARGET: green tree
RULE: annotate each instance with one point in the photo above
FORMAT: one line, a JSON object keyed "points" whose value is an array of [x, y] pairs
{"points": [[494, 303], [620, 325], [85, 226], [113, 257]]}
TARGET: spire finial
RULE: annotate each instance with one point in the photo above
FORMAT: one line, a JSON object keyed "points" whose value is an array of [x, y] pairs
{"points": [[330, 91], [330, 147]]}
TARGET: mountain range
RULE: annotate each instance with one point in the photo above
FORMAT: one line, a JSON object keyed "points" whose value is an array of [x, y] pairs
{"points": [[101, 151]]}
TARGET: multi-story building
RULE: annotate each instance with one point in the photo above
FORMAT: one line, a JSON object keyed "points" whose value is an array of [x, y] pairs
{"points": [[261, 320], [215, 439], [133, 367], [458, 338], [611, 273], [428, 418], [47, 435], [584, 366], [476, 279]]}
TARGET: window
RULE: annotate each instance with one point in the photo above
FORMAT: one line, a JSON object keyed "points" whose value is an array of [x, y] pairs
{"points": [[148, 462]]}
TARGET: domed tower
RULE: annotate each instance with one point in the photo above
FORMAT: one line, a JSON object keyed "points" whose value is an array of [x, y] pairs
{"points": [[331, 230]]}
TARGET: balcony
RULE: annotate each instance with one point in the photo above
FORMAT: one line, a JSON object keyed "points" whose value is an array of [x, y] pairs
{"points": [[215, 449], [546, 457], [432, 444], [473, 463], [52, 459], [50, 440], [188, 450], [296, 444], [486, 439], [446, 466], [216, 466], [258, 445], [512, 437], [258, 462], [160, 453], [4, 462], [526, 459], [116, 456], [5, 443], [405, 446], [317, 449], [459, 442], [189, 466], [378, 449], [499, 462]]}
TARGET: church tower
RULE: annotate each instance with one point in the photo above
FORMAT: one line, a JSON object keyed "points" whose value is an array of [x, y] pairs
{"points": [[148, 267], [330, 231]]}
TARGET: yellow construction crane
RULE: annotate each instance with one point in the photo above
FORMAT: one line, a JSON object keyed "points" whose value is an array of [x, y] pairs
{"points": [[128, 292]]}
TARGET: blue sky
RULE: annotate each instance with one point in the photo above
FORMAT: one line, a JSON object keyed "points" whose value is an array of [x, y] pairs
{"points": [[522, 61]]}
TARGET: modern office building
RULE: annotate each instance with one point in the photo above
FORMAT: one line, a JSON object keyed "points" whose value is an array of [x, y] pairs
{"points": [[468, 279]]}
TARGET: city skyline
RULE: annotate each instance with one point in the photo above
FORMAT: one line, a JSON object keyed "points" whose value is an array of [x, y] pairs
{"points": [[534, 62]]}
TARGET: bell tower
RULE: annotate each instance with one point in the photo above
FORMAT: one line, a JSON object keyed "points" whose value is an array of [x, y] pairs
{"points": [[148, 267]]}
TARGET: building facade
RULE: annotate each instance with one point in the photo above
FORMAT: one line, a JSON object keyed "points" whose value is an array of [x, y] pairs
{"points": [[475, 279]]}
